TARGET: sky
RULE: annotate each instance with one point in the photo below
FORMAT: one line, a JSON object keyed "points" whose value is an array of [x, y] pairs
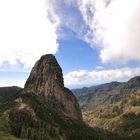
{"points": [[94, 41]]}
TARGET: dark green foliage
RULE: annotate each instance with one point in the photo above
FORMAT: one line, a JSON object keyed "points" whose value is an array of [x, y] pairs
{"points": [[39, 122], [8, 98], [130, 126], [135, 101], [4, 134], [8, 93], [131, 121]]}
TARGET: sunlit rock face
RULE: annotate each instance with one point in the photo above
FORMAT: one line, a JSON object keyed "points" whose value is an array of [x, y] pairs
{"points": [[46, 81]]}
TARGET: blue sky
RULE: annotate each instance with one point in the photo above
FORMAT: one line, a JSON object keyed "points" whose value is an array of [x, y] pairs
{"points": [[93, 41]]}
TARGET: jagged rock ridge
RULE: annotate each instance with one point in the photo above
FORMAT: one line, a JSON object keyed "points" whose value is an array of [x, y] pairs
{"points": [[46, 81]]}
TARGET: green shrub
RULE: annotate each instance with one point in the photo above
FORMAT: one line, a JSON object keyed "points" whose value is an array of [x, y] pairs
{"points": [[135, 102]]}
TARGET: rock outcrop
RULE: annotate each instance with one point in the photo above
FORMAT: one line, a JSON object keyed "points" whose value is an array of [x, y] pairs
{"points": [[46, 81], [134, 82]]}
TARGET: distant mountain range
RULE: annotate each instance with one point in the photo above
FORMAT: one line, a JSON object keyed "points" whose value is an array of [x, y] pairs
{"points": [[6, 93], [113, 106], [91, 97]]}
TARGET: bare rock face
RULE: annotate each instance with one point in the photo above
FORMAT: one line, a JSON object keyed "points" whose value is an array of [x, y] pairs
{"points": [[46, 81]]}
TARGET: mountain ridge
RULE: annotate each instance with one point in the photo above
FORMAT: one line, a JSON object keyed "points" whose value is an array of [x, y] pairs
{"points": [[107, 93]]}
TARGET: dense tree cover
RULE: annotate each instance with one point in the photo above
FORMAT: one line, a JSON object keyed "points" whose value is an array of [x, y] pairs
{"points": [[39, 122]]}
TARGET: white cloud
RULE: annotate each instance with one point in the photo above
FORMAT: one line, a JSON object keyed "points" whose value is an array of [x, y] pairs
{"points": [[115, 26], [26, 32], [77, 76], [83, 78]]}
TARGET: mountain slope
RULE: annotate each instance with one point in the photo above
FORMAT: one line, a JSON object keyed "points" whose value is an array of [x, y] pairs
{"points": [[46, 110], [122, 117], [6, 93], [91, 97], [40, 122]]}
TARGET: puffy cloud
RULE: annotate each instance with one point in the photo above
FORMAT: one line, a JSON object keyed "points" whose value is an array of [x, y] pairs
{"points": [[69, 17], [115, 26], [77, 76], [26, 32], [82, 77]]}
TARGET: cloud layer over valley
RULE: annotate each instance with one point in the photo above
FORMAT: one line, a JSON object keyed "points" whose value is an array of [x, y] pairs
{"points": [[88, 78]]}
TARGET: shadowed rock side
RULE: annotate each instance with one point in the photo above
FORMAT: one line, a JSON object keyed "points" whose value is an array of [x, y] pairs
{"points": [[46, 81]]}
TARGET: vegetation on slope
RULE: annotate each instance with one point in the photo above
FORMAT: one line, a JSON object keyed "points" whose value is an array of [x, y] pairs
{"points": [[4, 133], [29, 118], [122, 117]]}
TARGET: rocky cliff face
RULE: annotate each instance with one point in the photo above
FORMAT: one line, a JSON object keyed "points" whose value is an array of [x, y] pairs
{"points": [[46, 81], [134, 82]]}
